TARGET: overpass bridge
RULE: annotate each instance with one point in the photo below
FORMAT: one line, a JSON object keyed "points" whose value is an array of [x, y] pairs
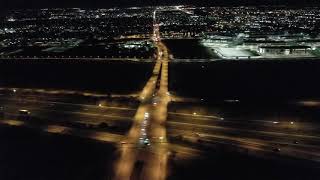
{"points": [[149, 123]]}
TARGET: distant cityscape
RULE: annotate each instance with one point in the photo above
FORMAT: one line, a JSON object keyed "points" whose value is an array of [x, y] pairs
{"points": [[218, 32]]}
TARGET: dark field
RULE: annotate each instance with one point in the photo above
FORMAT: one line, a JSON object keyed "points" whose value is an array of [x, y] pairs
{"points": [[27, 155], [100, 76], [247, 80], [227, 165], [189, 49]]}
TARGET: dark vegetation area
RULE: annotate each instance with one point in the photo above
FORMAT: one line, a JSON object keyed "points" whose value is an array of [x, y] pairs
{"points": [[269, 80], [88, 75], [24, 154], [224, 164]]}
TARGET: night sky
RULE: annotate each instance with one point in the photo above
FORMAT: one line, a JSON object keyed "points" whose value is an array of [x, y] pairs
{"points": [[21, 4], [108, 3]]}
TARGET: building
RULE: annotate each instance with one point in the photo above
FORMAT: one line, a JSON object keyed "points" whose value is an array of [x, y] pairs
{"points": [[285, 50]]}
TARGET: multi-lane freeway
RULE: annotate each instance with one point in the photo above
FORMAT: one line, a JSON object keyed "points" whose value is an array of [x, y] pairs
{"points": [[150, 133]]}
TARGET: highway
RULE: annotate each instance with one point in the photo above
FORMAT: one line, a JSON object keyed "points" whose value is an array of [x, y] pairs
{"points": [[44, 92], [252, 136], [63, 130], [186, 124], [45, 112], [289, 126], [149, 124]]}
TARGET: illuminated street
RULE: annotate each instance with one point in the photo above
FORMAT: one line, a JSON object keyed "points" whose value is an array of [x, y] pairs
{"points": [[148, 130]]}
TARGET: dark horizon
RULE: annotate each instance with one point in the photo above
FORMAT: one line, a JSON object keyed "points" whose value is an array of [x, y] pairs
{"points": [[9, 5], [35, 4]]}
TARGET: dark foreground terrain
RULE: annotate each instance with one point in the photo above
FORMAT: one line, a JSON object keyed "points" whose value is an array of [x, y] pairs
{"points": [[29, 155], [90, 75], [26, 154], [251, 80], [228, 166]]}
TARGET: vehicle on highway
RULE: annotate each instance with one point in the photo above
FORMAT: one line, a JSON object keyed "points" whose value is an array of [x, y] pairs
{"points": [[155, 101], [198, 134], [146, 142], [276, 149], [146, 115], [24, 114], [123, 142]]}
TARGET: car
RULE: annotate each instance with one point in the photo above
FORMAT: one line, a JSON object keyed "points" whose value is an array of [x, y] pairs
{"points": [[198, 134], [155, 101], [146, 143], [276, 149], [24, 114]]}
